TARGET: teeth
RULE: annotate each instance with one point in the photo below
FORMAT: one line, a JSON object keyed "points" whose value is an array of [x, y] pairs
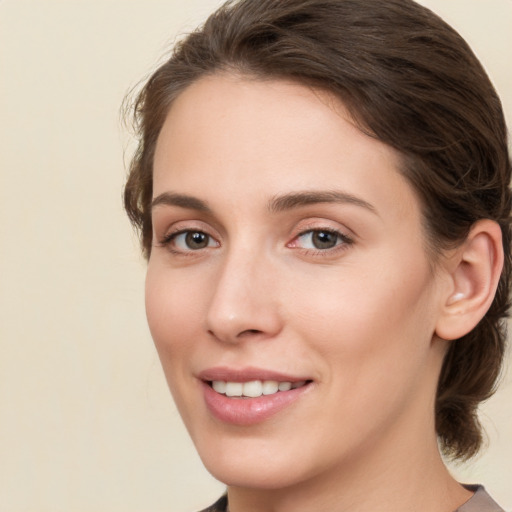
{"points": [[270, 387], [234, 388], [254, 388], [219, 386]]}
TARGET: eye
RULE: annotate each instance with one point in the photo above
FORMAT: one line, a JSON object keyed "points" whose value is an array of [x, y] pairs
{"points": [[185, 241], [320, 239]]}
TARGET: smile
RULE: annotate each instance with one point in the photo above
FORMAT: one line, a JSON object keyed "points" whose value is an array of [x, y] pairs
{"points": [[253, 388], [249, 396]]}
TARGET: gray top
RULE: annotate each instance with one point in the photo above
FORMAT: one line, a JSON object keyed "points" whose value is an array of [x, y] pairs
{"points": [[480, 502]]}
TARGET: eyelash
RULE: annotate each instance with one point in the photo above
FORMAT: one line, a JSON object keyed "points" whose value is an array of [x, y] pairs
{"points": [[342, 242]]}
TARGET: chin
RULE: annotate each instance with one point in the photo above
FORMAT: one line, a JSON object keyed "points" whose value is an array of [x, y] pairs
{"points": [[256, 467], [247, 476]]}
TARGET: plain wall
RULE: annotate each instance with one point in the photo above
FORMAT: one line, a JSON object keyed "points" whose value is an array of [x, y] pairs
{"points": [[86, 421]]}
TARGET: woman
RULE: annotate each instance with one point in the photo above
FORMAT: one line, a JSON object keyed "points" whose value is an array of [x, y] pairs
{"points": [[322, 192]]}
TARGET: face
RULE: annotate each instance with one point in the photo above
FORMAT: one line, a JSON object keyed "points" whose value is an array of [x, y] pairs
{"points": [[288, 291]]}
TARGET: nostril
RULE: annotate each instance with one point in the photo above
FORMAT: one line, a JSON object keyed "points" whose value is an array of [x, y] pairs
{"points": [[250, 331], [247, 333]]}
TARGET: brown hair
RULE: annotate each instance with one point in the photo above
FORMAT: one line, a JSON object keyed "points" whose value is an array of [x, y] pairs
{"points": [[408, 79]]}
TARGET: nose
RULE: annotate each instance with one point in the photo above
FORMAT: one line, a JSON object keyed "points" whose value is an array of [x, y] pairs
{"points": [[245, 302]]}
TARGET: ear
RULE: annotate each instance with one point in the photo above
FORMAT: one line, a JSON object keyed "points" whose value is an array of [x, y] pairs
{"points": [[474, 271]]}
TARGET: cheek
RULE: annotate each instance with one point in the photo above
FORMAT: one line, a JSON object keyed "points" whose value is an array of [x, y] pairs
{"points": [[371, 336], [173, 312], [174, 318], [368, 314]]}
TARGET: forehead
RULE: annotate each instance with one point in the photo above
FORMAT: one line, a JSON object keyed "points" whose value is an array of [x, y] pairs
{"points": [[268, 112], [272, 137]]}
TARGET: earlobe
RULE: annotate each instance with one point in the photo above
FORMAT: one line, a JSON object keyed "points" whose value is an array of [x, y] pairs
{"points": [[475, 269]]}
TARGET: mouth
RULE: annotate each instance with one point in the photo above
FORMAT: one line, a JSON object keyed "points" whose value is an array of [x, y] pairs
{"points": [[254, 388], [249, 396]]}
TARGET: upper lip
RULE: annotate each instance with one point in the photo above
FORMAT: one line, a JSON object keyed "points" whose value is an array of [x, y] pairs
{"points": [[246, 374]]}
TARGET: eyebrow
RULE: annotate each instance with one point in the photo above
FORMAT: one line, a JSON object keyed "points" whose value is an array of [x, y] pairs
{"points": [[300, 199], [275, 205], [181, 200]]}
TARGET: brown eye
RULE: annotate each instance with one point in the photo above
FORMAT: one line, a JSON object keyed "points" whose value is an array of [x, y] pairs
{"points": [[321, 240], [196, 240], [324, 239], [186, 241]]}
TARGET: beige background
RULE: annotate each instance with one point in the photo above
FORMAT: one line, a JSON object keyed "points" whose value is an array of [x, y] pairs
{"points": [[86, 423]]}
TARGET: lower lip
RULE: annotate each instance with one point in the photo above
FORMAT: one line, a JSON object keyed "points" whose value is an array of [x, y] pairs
{"points": [[249, 411]]}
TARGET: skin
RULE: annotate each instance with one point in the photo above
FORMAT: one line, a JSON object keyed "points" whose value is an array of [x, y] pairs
{"points": [[359, 318]]}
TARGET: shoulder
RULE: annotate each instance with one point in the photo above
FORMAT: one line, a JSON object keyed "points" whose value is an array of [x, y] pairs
{"points": [[480, 502]]}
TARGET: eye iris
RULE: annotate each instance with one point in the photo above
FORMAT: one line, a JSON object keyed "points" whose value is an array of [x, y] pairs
{"points": [[324, 239], [196, 240]]}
